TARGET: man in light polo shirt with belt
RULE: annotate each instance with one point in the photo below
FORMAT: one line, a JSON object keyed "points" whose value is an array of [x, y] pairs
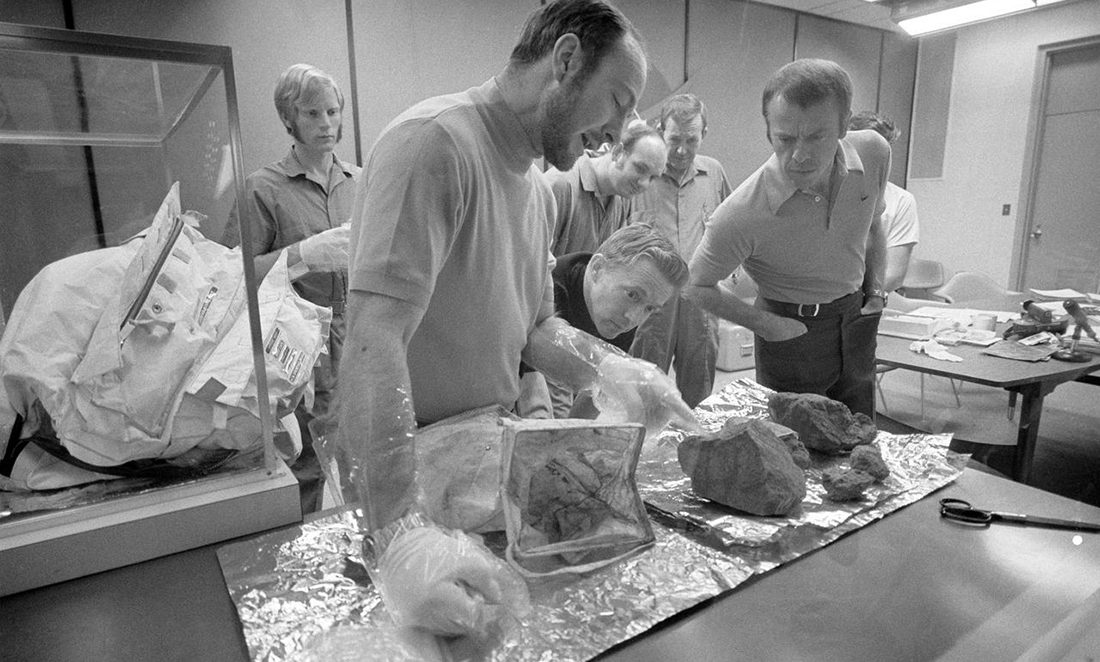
{"points": [[807, 227]]}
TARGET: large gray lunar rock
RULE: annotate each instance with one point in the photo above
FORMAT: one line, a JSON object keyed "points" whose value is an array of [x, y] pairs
{"points": [[822, 424], [744, 466]]}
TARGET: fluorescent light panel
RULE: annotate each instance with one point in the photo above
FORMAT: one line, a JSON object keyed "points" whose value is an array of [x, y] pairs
{"points": [[970, 13]]}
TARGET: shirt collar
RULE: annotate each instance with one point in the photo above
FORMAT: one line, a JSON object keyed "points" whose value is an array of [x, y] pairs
{"points": [[512, 139], [779, 189], [696, 168], [587, 172], [292, 167]]}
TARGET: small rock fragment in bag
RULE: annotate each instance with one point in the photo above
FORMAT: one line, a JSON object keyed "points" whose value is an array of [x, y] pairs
{"points": [[744, 466], [823, 424], [868, 458], [845, 484]]}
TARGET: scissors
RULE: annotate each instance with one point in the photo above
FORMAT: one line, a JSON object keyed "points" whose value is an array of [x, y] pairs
{"points": [[959, 510]]}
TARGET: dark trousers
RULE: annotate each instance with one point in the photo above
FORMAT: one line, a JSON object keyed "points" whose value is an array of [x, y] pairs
{"points": [[834, 358]]}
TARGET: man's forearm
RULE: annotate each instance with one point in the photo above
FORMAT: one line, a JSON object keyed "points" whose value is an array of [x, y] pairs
{"points": [[874, 276], [897, 264], [722, 302], [565, 354], [377, 423]]}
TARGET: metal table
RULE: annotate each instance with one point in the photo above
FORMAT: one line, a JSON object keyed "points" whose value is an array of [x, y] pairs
{"points": [[909, 586], [1032, 381]]}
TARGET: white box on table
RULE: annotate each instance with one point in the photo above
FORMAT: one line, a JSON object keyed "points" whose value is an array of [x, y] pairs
{"points": [[735, 347], [907, 326]]}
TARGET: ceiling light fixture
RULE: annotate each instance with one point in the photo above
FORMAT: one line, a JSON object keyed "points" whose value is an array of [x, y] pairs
{"points": [[923, 17]]}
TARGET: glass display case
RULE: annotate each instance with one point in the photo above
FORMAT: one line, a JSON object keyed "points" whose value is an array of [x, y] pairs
{"points": [[94, 131]]}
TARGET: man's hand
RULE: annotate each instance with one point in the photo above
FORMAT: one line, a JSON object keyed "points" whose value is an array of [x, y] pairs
{"points": [[326, 251], [448, 585], [872, 305], [637, 391], [777, 328]]}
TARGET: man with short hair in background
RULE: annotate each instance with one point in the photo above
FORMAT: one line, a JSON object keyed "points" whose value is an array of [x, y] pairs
{"points": [[594, 196], [302, 204], [679, 204], [900, 217]]}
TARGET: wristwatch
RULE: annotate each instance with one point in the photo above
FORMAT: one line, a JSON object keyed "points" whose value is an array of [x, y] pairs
{"points": [[882, 294]]}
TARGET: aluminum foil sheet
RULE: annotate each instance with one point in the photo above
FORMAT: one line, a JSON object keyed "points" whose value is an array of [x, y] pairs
{"points": [[302, 593]]}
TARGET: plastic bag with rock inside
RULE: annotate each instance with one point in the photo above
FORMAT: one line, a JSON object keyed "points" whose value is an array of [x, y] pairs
{"points": [[570, 499]]}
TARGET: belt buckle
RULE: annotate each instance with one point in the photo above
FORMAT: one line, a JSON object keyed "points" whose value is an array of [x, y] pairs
{"points": [[816, 307]]}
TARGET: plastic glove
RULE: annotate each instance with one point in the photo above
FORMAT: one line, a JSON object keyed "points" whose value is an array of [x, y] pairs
{"points": [[326, 251], [449, 585], [630, 389]]}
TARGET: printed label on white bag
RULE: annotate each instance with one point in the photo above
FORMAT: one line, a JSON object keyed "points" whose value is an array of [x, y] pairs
{"points": [[204, 307], [292, 360]]}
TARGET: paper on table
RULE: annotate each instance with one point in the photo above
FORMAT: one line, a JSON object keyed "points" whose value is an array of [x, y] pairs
{"points": [[1052, 306], [1010, 349], [1064, 293], [961, 315], [968, 337]]}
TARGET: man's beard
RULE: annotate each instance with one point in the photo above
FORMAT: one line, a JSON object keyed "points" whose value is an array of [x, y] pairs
{"points": [[557, 127]]}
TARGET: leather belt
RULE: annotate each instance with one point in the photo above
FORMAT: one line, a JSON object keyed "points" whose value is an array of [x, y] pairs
{"points": [[833, 307]]}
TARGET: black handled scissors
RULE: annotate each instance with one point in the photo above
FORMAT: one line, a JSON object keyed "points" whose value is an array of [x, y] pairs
{"points": [[959, 510]]}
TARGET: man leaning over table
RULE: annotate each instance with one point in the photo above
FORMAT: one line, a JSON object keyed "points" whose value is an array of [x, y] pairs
{"points": [[609, 292], [450, 284], [593, 202], [807, 227]]}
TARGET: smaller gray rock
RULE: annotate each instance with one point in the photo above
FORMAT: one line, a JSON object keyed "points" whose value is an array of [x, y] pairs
{"points": [[845, 484], [868, 458]]}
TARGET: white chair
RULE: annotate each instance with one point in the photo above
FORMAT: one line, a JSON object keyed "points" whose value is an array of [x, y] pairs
{"points": [[921, 278], [971, 286], [899, 303]]}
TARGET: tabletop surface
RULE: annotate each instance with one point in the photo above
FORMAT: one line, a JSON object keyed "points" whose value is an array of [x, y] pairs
{"points": [[910, 586], [978, 367]]}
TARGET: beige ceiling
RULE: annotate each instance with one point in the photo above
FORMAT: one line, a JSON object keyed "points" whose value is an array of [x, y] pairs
{"points": [[874, 14]]}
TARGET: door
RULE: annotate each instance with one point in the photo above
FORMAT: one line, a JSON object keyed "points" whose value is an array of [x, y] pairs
{"points": [[1062, 245]]}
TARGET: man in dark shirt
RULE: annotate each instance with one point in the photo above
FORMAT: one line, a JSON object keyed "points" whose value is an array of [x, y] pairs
{"points": [[610, 292]]}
